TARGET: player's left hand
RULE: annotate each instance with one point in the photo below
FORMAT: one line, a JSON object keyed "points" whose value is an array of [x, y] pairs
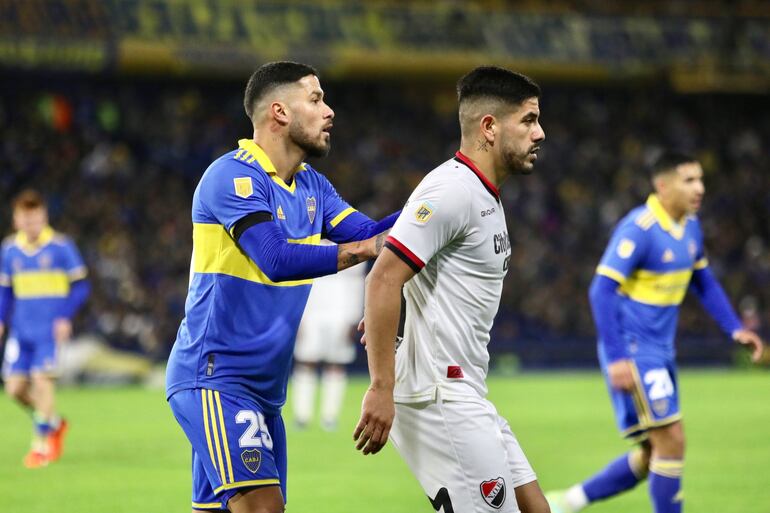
{"points": [[752, 341], [377, 413], [62, 330], [362, 331]]}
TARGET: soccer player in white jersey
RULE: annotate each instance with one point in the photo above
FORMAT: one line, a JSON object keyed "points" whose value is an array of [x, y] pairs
{"points": [[324, 341], [449, 250]]}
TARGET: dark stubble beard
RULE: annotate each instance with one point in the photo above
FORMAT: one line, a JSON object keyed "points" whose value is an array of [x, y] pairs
{"points": [[517, 164], [302, 139]]}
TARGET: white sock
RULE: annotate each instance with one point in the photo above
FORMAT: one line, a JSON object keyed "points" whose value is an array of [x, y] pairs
{"points": [[576, 498], [333, 384], [303, 390]]}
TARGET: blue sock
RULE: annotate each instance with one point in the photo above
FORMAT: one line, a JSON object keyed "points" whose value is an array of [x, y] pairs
{"points": [[666, 485], [42, 426], [614, 478]]}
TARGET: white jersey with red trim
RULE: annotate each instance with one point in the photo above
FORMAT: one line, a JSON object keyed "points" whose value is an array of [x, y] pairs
{"points": [[452, 232]]}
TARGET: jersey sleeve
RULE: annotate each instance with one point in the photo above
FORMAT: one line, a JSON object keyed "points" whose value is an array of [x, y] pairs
{"points": [[5, 267], [335, 209], [234, 194], [436, 214], [625, 251], [73, 262], [701, 261]]}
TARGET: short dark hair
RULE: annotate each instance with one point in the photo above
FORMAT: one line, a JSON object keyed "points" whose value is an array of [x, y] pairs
{"points": [[498, 83], [270, 75], [28, 199], [669, 160]]}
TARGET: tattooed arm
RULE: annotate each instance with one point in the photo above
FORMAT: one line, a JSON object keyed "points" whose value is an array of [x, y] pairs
{"points": [[353, 253]]}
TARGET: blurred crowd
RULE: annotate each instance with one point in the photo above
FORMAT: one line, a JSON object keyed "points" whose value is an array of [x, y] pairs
{"points": [[118, 162]]}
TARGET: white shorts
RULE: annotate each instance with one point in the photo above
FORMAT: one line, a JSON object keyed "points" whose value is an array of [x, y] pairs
{"points": [[324, 340], [464, 455]]}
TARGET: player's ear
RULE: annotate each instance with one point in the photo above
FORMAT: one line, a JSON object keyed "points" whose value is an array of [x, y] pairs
{"points": [[488, 127], [279, 113]]}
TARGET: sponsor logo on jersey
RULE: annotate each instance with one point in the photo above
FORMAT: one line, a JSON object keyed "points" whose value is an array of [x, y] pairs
{"points": [[493, 492], [668, 256], [424, 212], [279, 213], [454, 372], [488, 212], [311, 206], [252, 459], [626, 248], [243, 187], [502, 243]]}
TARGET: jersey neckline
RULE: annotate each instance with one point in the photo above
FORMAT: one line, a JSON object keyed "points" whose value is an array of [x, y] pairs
{"points": [[463, 159]]}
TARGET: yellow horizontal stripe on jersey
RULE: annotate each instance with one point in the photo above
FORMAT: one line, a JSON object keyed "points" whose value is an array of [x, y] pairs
{"points": [[245, 484], [313, 239], [658, 289], [36, 284], [701, 264], [207, 505], [342, 215], [611, 273], [215, 252]]}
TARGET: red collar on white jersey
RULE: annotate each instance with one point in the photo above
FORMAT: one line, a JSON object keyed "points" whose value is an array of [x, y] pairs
{"points": [[460, 157]]}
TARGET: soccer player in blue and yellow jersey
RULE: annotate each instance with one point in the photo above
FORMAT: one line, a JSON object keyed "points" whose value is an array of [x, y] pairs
{"points": [[654, 257], [259, 214], [42, 285]]}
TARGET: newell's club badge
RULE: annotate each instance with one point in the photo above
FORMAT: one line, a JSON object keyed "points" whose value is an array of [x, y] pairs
{"points": [[424, 212], [243, 187], [311, 204], [493, 492], [252, 458], [626, 248]]}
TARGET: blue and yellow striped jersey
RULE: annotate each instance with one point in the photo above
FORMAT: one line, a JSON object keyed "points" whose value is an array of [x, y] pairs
{"points": [[239, 327], [652, 258], [39, 274]]}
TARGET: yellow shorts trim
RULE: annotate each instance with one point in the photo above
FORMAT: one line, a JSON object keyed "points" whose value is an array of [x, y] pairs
{"points": [[245, 484]]}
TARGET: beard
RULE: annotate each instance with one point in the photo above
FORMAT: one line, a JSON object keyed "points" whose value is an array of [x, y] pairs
{"points": [[517, 163], [300, 137]]}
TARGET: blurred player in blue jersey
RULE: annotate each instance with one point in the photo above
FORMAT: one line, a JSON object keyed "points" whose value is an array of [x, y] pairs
{"points": [[259, 214], [654, 256], [42, 285]]}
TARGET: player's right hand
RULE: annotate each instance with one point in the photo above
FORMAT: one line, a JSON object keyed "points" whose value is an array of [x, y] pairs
{"points": [[377, 413], [621, 375]]}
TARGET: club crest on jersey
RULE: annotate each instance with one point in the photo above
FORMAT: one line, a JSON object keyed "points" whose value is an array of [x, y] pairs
{"points": [[660, 407], [424, 212], [279, 213], [252, 459], [243, 187], [311, 206], [493, 492], [668, 256], [626, 248]]}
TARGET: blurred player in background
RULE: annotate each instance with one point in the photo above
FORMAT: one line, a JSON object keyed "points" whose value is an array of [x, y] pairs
{"points": [[449, 250], [42, 285], [325, 340], [259, 214], [654, 256]]}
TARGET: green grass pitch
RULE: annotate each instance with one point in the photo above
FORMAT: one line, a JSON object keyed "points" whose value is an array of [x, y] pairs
{"points": [[125, 453]]}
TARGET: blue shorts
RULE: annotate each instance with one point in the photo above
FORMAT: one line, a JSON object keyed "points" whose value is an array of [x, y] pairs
{"points": [[654, 401], [234, 445], [25, 356]]}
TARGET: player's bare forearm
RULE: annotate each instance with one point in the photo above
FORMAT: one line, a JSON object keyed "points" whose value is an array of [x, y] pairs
{"points": [[352, 253], [381, 314]]}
